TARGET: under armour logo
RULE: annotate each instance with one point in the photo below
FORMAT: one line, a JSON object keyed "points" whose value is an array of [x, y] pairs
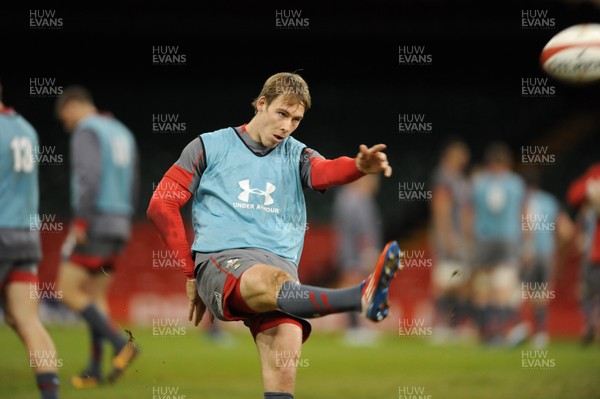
{"points": [[245, 195]]}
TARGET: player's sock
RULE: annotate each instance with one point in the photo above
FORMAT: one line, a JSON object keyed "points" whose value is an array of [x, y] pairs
{"points": [[278, 395], [95, 366], [48, 385], [494, 320], [509, 316], [540, 317], [443, 306], [102, 326], [308, 301], [489, 327], [462, 311], [478, 314]]}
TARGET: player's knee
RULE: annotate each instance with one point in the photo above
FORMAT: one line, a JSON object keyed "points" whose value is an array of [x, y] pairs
{"points": [[61, 286], [265, 280], [20, 322], [69, 280], [65, 289], [260, 286], [62, 281], [279, 278]]}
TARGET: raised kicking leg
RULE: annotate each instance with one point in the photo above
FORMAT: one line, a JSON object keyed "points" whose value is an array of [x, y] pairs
{"points": [[265, 288]]}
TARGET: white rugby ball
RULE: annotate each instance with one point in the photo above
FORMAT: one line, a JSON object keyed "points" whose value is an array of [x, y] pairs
{"points": [[573, 54]]}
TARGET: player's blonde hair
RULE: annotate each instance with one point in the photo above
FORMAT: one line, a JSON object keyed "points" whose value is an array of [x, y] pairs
{"points": [[291, 86]]}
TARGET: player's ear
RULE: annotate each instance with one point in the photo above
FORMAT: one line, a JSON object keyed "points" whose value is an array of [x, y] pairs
{"points": [[261, 103]]}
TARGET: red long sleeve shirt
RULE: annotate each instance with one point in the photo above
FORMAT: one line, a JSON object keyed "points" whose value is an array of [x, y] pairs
{"points": [[576, 196]]}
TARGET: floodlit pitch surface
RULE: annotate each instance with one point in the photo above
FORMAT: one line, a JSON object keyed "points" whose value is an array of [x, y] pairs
{"points": [[188, 365]]}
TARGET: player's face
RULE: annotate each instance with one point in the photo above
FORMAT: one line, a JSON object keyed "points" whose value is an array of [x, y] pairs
{"points": [[461, 157], [68, 115], [278, 120]]}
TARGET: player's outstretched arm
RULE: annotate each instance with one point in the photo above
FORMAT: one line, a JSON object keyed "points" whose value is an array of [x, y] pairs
{"points": [[373, 160], [326, 173]]}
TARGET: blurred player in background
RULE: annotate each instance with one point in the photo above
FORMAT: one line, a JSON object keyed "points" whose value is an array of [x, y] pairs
{"points": [[20, 246], [547, 227], [585, 221], [584, 195], [498, 196], [104, 188], [357, 222], [249, 217], [451, 273]]}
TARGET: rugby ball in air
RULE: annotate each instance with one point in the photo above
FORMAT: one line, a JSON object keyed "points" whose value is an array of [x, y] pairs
{"points": [[573, 55]]}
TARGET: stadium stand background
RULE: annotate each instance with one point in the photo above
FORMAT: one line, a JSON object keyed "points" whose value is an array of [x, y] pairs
{"points": [[349, 56]]}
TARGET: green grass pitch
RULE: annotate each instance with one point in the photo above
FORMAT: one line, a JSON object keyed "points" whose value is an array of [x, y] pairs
{"points": [[191, 366]]}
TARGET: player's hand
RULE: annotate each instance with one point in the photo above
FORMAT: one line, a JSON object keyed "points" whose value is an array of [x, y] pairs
{"points": [[196, 306], [373, 160]]}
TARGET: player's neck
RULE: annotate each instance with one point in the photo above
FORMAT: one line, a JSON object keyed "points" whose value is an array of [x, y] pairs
{"points": [[451, 168], [252, 129], [499, 169]]}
